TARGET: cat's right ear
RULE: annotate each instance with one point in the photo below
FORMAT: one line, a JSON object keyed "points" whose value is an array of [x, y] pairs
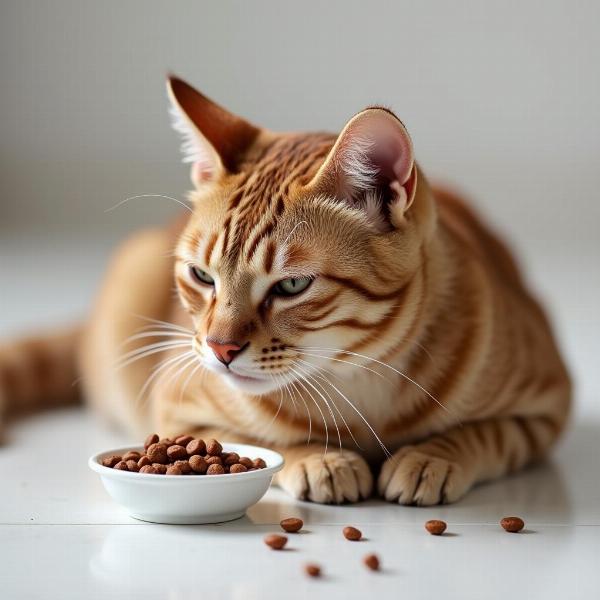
{"points": [[213, 138]]}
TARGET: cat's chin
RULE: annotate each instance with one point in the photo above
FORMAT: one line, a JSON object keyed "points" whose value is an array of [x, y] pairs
{"points": [[250, 385]]}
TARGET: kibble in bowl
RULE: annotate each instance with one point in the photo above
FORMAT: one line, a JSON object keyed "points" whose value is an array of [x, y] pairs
{"points": [[172, 489]]}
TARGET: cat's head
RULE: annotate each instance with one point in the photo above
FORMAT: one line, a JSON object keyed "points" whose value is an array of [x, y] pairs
{"points": [[304, 251]]}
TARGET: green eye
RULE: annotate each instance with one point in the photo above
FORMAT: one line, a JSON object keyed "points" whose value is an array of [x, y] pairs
{"points": [[202, 276], [291, 286]]}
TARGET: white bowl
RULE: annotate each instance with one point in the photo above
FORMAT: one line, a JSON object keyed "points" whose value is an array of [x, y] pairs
{"points": [[188, 499]]}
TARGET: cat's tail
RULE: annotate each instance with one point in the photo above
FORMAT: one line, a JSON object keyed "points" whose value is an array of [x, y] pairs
{"points": [[39, 372]]}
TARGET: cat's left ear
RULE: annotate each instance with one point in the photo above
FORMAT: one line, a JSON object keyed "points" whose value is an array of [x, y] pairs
{"points": [[214, 139], [372, 166]]}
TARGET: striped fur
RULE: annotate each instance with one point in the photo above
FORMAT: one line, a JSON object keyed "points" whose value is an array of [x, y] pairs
{"points": [[417, 348]]}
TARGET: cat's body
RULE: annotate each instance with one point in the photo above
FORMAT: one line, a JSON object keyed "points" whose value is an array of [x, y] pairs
{"points": [[414, 330]]}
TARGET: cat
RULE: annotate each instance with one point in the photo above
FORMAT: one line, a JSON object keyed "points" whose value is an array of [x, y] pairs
{"points": [[329, 304]]}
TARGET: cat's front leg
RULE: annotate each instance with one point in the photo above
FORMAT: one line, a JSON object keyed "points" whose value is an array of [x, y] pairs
{"points": [[328, 477], [443, 468]]}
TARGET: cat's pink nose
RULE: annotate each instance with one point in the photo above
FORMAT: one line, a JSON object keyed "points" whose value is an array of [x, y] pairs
{"points": [[224, 351]]}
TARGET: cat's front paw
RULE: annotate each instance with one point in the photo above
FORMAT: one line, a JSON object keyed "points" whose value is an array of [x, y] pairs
{"points": [[412, 476], [332, 478]]}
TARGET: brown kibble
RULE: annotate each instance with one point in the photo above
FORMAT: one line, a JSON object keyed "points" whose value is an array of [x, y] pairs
{"points": [[157, 453], [232, 458], [292, 524], [215, 469], [372, 562], [167, 442], [213, 448], [512, 524], [184, 465], [435, 527], [352, 534], [312, 570], [176, 452], [237, 468], [259, 463], [275, 541], [144, 461], [132, 455], [111, 461], [174, 470], [148, 469], [196, 447], [160, 468], [132, 465], [198, 464], [247, 462], [183, 440], [121, 466], [151, 439], [213, 460]]}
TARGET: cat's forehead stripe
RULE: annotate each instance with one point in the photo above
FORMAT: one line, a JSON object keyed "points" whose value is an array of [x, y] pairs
{"points": [[258, 201]]}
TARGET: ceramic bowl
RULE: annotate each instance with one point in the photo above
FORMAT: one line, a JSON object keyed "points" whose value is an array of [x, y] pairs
{"points": [[188, 499]]}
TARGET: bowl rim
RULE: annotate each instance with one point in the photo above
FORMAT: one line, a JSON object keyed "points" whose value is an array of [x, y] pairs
{"points": [[95, 465]]}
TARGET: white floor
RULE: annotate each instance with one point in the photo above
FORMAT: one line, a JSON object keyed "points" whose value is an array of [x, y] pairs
{"points": [[62, 537]]}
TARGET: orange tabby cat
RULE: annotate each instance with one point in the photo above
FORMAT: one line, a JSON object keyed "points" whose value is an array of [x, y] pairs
{"points": [[331, 305]]}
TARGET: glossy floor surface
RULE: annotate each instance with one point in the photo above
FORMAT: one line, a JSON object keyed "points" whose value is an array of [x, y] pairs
{"points": [[62, 537]]}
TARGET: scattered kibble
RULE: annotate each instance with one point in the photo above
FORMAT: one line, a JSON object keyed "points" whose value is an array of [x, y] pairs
{"points": [[352, 534], [312, 570], [435, 527], [512, 524], [275, 541], [292, 525], [371, 561]]}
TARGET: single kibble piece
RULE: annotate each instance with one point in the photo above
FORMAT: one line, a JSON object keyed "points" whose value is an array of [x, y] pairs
{"points": [[213, 460], [213, 448], [121, 466], [312, 570], [132, 465], [151, 439], [144, 461], [176, 452], [174, 470], [198, 464], [275, 541], [111, 461], [167, 442], [512, 524], [259, 463], [196, 447], [247, 462], [157, 453], [148, 469], [237, 468], [132, 455], [232, 458], [293, 524], [215, 470], [372, 562], [184, 465], [160, 468], [435, 527], [183, 440], [352, 534]]}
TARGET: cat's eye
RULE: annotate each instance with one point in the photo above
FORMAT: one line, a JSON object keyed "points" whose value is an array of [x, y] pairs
{"points": [[202, 276], [291, 286]]}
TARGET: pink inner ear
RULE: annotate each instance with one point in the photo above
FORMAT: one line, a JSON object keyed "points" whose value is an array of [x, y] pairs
{"points": [[392, 152], [202, 171]]}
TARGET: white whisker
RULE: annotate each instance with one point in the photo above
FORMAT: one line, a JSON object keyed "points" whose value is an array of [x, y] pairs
{"points": [[148, 196]]}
